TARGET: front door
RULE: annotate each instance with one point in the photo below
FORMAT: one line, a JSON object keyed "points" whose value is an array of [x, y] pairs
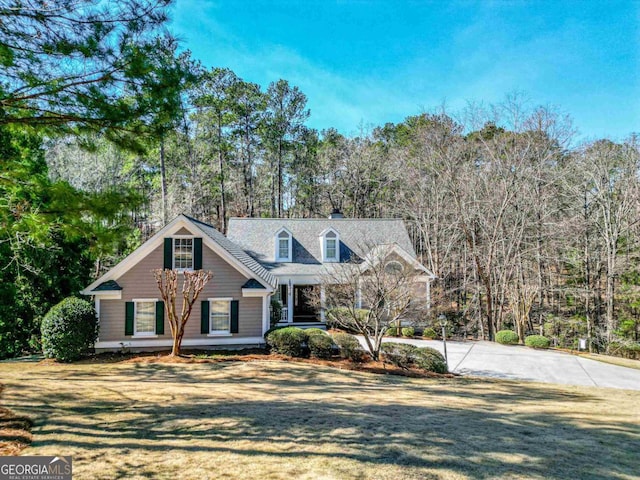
{"points": [[303, 303]]}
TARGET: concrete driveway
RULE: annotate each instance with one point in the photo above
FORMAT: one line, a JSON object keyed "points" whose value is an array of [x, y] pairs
{"points": [[488, 359]]}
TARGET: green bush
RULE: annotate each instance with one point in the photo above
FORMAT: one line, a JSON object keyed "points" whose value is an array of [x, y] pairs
{"points": [[320, 346], [430, 359], [69, 329], [408, 332], [392, 331], [350, 347], [270, 331], [429, 333], [398, 354], [315, 331], [288, 341], [537, 341], [507, 337]]}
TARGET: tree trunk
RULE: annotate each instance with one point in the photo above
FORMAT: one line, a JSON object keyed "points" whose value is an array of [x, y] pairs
{"points": [[280, 181], [163, 183], [223, 201]]}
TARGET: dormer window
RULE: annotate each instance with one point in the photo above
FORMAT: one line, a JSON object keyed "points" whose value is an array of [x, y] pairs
{"points": [[283, 246], [331, 246]]}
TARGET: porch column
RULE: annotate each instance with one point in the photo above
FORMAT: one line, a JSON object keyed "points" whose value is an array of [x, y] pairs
{"points": [[359, 296], [428, 295], [322, 301], [290, 302]]}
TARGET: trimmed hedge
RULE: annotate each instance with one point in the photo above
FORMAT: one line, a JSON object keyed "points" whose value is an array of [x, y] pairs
{"points": [[287, 341], [315, 331], [404, 356], [392, 331], [398, 354], [429, 333], [507, 337], [537, 341], [430, 359], [408, 332], [320, 345], [350, 347], [69, 329]]}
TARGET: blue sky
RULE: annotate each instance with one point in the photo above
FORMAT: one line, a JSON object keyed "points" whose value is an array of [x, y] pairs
{"points": [[371, 62]]}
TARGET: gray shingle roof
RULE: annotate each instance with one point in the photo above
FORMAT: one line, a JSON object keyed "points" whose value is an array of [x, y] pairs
{"points": [[236, 251], [257, 237]]}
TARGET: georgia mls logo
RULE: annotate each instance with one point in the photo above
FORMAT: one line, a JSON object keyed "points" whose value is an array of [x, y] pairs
{"points": [[35, 468]]}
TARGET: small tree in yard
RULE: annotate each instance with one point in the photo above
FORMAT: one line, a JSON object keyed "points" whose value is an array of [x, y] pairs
{"points": [[386, 293], [192, 284]]}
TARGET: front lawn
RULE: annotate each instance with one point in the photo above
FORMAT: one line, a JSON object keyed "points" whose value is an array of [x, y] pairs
{"points": [[277, 420]]}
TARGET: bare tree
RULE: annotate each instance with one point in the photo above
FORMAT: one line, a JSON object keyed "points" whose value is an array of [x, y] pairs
{"points": [[192, 284], [373, 294], [611, 173]]}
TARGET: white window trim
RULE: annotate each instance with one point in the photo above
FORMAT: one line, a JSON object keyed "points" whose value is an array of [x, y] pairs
{"points": [[277, 246], [220, 333], [391, 262], [135, 318], [323, 246], [173, 252]]}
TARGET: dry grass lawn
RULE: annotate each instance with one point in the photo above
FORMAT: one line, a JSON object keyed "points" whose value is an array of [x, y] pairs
{"points": [[274, 420]]}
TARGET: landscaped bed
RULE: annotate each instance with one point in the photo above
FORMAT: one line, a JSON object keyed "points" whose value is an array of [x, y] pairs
{"points": [[145, 417]]}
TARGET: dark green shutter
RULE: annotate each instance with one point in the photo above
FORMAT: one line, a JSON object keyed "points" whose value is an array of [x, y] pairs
{"points": [[128, 318], [168, 253], [234, 316], [197, 254], [159, 318], [204, 317]]}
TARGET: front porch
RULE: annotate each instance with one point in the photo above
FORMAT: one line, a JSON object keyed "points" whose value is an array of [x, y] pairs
{"points": [[299, 305]]}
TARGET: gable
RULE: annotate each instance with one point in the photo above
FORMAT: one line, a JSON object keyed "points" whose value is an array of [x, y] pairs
{"points": [[153, 247]]}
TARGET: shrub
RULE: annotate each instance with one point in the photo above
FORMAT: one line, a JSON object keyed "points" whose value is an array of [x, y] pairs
{"points": [[537, 341], [398, 354], [288, 341], [507, 337], [408, 332], [392, 331], [320, 345], [350, 347], [430, 359], [429, 333], [315, 331], [270, 331], [69, 329]]}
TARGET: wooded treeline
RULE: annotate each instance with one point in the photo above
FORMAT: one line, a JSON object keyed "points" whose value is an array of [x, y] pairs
{"points": [[523, 228]]}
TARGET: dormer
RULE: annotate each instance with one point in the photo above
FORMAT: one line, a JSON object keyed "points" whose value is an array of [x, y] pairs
{"points": [[283, 245], [330, 245]]}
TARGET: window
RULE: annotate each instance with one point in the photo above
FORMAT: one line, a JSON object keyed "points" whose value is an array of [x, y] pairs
{"points": [[145, 317], [283, 246], [183, 253], [331, 246], [219, 316], [393, 268], [331, 249]]}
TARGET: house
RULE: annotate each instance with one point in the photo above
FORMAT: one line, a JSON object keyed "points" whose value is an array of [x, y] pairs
{"points": [[257, 260]]}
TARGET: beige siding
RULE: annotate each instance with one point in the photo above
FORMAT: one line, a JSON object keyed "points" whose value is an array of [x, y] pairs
{"points": [[139, 283]]}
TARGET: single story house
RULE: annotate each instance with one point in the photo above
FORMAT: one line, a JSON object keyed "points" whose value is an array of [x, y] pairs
{"points": [[258, 259]]}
